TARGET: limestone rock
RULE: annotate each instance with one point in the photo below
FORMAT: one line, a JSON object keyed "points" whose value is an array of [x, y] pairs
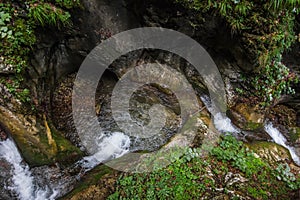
{"points": [[272, 152], [246, 117]]}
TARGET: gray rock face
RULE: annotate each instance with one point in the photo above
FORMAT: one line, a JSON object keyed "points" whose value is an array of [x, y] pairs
{"points": [[4, 171], [4, 179], [62, 52]]}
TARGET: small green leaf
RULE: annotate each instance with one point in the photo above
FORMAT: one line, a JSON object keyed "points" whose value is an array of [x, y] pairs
{"points": [[3, 35], [4, 29]]}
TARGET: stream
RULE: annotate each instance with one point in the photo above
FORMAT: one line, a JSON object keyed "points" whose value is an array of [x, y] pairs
{"points": [[23, 183], [278, 138], [112, 144]]}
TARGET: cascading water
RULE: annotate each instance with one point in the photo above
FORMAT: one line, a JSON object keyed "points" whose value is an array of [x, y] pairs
{"points": [[281, 140], [221, 122], [113, 146], [23, 184]]}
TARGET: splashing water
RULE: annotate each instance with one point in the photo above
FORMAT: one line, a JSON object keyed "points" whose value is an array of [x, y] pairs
{"points": [[223, 124], [23, 183], [113, 146], [221, 121], [281, 140]]}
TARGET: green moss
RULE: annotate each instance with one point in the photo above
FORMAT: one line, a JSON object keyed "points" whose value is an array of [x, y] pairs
{"points": [[67, 153], [34, 155], [294, 133], [253, 126], [42, 154], [35, 148], [91, 178]]}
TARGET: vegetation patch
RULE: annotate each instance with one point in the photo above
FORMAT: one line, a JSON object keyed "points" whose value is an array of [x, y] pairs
{"points": [[266, 30], [231, 170], [18, 23]]}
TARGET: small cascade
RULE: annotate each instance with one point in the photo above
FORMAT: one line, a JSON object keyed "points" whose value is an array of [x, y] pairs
{"points": [[281, 140], [221, 121], [23, 184], [112, 146], [224, 124]]}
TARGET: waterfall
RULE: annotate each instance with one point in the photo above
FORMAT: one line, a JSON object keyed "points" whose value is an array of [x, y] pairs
{"points": [[281, 140], [22, 180], [221, 121], [23, 183], [112, 146]]}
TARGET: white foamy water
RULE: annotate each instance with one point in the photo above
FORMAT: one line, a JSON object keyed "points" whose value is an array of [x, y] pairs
{"points": [[224, 124], [113, 146], [221, 121], [281, 140], [23, 182]]}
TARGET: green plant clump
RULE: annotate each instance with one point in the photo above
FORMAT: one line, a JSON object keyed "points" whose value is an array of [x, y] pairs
{"points": [[194, 176], [266, 30], [18, 22]]}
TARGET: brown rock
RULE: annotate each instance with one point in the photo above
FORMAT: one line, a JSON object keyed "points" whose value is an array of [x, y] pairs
{"points": [[247, 117]]}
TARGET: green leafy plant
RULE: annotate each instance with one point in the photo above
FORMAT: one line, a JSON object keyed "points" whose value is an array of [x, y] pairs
{"points": [[17, 31], [283, 172], [240, 157], [48, 14], [195, 176], [266, 31], [68, 3]]}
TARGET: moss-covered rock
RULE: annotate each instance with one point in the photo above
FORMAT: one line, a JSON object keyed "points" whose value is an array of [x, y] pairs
{"points": [[294, 133], [96, 184], [33, 143], [270, 151], [246, 117]]}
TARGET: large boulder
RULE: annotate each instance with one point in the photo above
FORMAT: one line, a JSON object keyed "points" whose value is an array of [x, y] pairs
{"points": [[38, 144], [247, 117]]}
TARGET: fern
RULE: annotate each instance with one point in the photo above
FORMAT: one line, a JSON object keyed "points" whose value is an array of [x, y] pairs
{"points": [[281, 4], [48, 14]]}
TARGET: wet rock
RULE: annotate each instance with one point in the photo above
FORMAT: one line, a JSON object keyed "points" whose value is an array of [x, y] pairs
{"points": [[272, 152], [246, 117], [140, 103], [193, 128], [61, 111], [32, 140], [99, 183], [257, 135], [55, 178], [5, 180], [62, 52], [3, 135]]}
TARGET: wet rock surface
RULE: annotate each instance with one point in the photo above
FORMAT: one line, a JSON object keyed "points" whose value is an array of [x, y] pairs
{"points": [[5, 180], [60, 179], [3, 135], [61, 111], [247, 117], [5, 169], [60, 54]]}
